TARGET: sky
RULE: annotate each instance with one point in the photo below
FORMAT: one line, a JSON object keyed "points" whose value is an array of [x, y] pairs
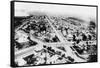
{"points": [[24, 9]]}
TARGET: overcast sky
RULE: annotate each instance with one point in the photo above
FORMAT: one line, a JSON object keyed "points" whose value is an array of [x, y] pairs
{"points": [[23, 9]]}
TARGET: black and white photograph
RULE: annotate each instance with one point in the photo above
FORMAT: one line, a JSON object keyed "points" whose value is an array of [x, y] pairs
{"points": [[53, 33]]}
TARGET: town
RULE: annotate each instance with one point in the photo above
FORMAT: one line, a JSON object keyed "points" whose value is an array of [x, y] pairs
{"points": [[44, 39]]}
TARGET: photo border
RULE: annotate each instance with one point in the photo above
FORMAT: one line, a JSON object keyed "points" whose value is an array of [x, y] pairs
{"points": [[12, 56]]}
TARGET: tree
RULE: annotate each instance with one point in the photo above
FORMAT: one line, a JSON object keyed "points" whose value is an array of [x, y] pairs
{"points": [[92, 25]]}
